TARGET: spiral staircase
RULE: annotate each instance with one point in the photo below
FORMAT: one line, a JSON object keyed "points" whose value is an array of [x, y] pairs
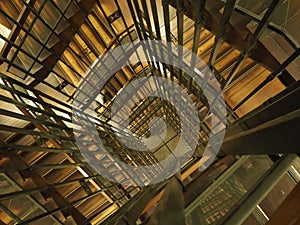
{"points": [[47, 48]]}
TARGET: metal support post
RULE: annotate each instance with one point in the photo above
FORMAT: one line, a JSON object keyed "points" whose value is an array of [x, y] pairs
{"points": [[260, 191]]}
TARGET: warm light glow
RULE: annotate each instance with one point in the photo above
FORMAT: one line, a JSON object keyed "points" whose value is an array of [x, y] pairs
{"points": [[5, 32]]}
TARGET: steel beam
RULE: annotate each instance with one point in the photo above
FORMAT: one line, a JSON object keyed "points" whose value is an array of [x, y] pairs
{"points": [[149, 31], [233, 36], [68, 207], [75, 21], [30, 197], [61, 36], [275, 107], [253, 40], [229, 7], [16, 148], [31, 168], [39, 100], [199, 23], [170, 209], [28, 7], [10, 213], [272, 26], [271, 77], [27, 192], [16, 29], [157, 31], [260, 191], [276, 136], [131, 211], [180, 30], [138, 30], [204, 180], [166, 12], [213, 187], [54, 194]]}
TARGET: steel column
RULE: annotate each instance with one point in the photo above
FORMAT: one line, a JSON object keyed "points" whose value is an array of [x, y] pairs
{"points": [[199, 23], [229, 7], [75, 21], [280, 135], [131, 211], [272, 76], [57, 197], [234, 36], [260, 191], [252, 42], [170, 209]]}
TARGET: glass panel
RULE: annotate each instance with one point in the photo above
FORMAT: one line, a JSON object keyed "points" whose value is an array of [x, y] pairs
{"points": [[41, 31], [63, 24], [23, 61], [36, 67], [71, 10], [225, 196], [32, 46], [50, 14], [52, 41], [62, 5], [255, 6]]}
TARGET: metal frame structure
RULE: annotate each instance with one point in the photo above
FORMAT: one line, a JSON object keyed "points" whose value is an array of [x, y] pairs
{"points": [[50, 47]]}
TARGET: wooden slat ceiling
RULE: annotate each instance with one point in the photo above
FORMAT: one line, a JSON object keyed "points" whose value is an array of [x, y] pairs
{"points": [[43, 177]]}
